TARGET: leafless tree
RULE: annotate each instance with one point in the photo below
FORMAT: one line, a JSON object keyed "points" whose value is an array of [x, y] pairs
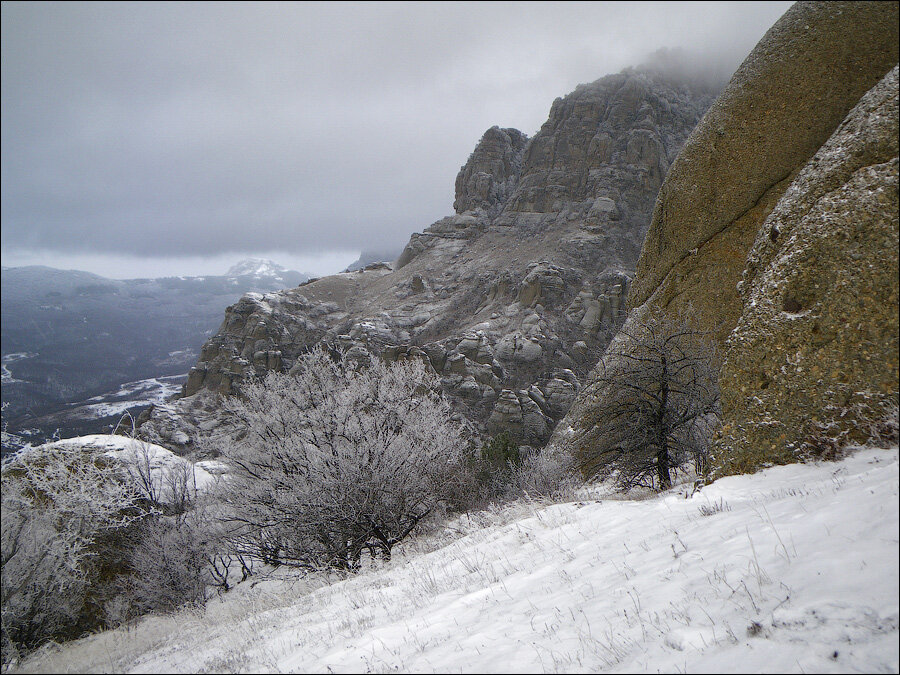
{"points": [[166, 486], [177, 551], [659, 402], [331, 460]]}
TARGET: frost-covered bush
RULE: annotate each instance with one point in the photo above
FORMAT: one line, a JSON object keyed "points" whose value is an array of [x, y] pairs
{"points": [[177, 552], [331, 460], [545, 474], [165, 486], [171, 565], [504, 471], [62, 508]]}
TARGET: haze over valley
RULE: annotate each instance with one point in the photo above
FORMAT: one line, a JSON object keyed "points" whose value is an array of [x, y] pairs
{"points": [[79, 350]]}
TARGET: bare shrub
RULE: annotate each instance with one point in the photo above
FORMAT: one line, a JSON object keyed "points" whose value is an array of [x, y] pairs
{"points": [[330, 460], [866, 419], [713, 508], [660, 401], [551, 475], [503, 471], [167, 487], [179, 552], [170, 564]]}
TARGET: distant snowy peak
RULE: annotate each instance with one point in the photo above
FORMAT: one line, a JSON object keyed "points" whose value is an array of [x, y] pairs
{"points": [[256, 267]]}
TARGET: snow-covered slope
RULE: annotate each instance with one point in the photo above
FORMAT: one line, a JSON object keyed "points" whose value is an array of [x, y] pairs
{"points": [[794, 569]]}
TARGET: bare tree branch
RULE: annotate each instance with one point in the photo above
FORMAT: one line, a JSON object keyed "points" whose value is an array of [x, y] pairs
{"points": [[659, 402], [333, 460]]}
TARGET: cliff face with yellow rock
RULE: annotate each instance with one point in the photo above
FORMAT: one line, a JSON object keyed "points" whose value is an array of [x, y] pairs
{"points": [[814, 355], [776, 231]]}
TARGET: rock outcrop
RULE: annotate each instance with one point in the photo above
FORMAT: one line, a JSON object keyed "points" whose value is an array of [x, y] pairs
{"points": [[490, 175], [784, 102], [815, 351], [512, 298]]}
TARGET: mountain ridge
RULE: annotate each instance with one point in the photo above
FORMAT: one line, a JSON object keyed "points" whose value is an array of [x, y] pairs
{"points": [[511, 298]]}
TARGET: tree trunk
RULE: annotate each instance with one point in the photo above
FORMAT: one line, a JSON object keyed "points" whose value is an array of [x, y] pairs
{"points": [[662, 456], [662, 466]]}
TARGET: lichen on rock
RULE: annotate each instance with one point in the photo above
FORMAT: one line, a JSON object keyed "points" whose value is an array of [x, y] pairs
{"points": [[819, 230], [816, 347]]}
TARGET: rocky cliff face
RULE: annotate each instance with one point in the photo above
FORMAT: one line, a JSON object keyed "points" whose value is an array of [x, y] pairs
{"points": [[781, 106], [815, 352], [488, 178], [513, 297]]}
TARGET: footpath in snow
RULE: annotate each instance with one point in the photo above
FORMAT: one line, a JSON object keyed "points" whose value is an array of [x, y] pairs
{"points": [[794, 569]]}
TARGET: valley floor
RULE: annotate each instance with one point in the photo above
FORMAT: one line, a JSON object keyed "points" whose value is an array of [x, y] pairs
{"points": [[794, 569]]}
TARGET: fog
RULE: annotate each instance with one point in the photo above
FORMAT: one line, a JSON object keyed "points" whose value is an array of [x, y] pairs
{"points": [[145, 139]]}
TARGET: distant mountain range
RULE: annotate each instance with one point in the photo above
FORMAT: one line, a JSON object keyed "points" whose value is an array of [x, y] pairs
{"points": [[78, 349]]}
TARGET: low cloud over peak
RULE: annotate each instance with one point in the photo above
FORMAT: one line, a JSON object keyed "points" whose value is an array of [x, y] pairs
{"points": [[209, 129]]}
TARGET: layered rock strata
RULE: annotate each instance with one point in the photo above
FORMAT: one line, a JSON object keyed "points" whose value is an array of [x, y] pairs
{"points": [[513, 297], [784, 102]]}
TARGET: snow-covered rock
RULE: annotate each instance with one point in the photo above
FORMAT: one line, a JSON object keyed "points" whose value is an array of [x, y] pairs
{"points": [[136, 456], [256, 267]]}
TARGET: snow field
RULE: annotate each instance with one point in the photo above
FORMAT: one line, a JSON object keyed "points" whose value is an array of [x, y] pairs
{"points": [[139, 393], [793, 569]]}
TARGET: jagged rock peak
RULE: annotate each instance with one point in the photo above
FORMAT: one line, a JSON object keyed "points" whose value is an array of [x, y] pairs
{"points": [[612, 138], [489, 176], [512, 298]]}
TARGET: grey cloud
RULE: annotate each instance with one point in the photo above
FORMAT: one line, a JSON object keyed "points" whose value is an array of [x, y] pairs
{"points": [[196, 129]]}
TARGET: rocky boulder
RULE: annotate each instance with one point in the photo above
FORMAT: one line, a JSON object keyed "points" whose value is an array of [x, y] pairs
{"points": [[780, 107], [815, 351]]}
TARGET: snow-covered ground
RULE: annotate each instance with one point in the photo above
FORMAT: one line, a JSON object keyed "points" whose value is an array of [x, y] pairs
{"points": [[794, 569], [6, 376]]}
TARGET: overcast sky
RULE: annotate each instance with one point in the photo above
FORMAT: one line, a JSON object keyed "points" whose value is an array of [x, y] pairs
{"points": [[175, 138]]}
